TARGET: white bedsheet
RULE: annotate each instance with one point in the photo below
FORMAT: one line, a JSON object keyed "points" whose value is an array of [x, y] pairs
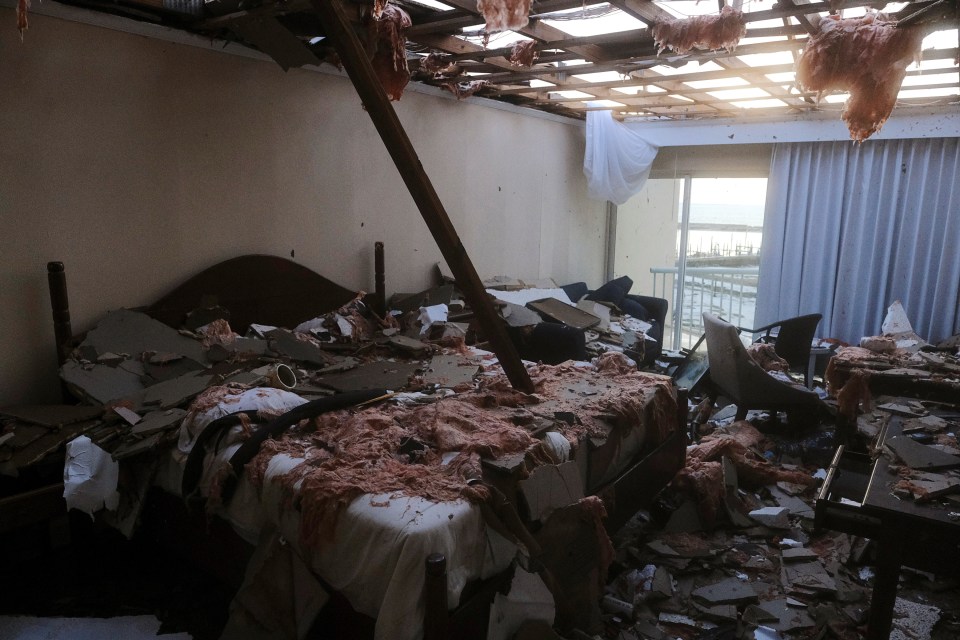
{"points": [[377, 557]]}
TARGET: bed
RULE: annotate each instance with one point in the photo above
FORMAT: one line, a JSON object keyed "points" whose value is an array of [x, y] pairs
{"points": [[409, 565]]}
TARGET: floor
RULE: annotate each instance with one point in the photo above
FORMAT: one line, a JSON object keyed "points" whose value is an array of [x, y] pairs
{"points": [[676, 577], [103, 575], [126, 627]]}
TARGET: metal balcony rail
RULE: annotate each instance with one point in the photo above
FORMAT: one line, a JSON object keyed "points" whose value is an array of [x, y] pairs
{"points": [[729, 292]]}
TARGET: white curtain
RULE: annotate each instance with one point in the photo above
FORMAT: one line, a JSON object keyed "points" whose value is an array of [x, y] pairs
{"points": [[617, 159], [849, 229]]}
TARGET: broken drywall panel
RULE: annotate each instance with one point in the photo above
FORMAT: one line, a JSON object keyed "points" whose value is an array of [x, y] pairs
{"points": [[158, 421], [408, 303], [248, 378], [32, 443], [787, 619], [451, 370], [528, 599], [132, 417], [132, 448], [774, 517], [798, 554], [900, 409], [53, 415], [100, 383], [380, 374], [288, 344], [923, 486], [808, 576], [512, 464], [133, 333], [550, 487], [173, 393], [519, 316], [793, 504], [920, 456], [169, 369], [729, 591], [412, 346]]}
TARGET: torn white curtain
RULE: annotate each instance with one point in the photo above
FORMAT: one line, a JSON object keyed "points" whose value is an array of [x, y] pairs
{"points": [[849, 229], [617, 160]]}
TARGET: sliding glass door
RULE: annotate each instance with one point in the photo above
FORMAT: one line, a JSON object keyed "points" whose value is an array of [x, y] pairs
{"points": [[714, 227]]}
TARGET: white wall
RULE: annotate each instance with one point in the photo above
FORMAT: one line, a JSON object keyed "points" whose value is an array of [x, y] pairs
{"points": [[138, 162]]}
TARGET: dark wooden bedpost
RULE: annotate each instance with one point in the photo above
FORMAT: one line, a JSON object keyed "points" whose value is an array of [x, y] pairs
{"points": [[337, 26], [435, 597], [60, 306], [380, 278]]}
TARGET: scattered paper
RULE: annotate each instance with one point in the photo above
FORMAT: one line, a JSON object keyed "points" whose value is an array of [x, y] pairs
{"points": [[523, 296], [896, 320], [431, 315], [346, 329], [261, 330], [89, 477]]}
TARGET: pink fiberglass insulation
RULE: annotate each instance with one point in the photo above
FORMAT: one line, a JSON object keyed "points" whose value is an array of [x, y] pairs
{"points": [[721, 31], [524, 53], [464, 89], [390, 57], [867, 57], [22, 22], [504, 15], [354, 452]]}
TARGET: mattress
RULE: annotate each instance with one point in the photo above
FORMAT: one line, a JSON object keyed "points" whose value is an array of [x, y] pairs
{"points": [[374, 555]]}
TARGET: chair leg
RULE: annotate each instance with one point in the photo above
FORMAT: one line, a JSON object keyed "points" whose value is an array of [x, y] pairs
{"points": [[741, 413]]}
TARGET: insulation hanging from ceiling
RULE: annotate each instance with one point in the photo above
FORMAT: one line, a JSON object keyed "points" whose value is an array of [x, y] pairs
{"points": [[721, 31], [389, 59], [504, 15], [22, 23], [524, 53], [867, 57]]}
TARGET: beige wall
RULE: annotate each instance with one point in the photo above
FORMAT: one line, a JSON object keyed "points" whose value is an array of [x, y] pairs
{"points": [[137, 162], [647, 234]]}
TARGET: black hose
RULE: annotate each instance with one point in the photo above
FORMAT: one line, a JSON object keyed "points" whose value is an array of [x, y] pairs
{"points": [[193, 469], [249, 449]]}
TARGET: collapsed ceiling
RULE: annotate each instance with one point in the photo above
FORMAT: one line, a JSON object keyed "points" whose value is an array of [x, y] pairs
{"points": [[643, 59]]}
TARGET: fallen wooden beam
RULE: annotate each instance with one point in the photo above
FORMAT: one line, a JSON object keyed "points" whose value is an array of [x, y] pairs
{"points": [[381, 112]]}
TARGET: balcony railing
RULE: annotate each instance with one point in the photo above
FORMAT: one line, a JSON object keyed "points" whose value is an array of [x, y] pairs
{"points": [[729, 292]]}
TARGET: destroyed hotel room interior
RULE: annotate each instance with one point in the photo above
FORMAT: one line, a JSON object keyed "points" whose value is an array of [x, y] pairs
{"points": [[480, 319]]}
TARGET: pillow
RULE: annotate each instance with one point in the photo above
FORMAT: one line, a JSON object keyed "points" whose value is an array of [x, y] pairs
{"points": [[575, 291], [613, 292], [635, 309]]}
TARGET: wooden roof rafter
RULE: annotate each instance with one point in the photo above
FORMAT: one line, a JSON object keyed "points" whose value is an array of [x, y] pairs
{"points": [[291, 33]]}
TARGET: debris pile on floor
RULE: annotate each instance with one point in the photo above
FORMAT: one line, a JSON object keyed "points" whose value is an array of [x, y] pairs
{"points": [[730, 551]]}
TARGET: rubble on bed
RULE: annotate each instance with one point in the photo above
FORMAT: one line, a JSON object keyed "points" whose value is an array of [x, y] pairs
{"points": [[896, 360], [450, 427]]}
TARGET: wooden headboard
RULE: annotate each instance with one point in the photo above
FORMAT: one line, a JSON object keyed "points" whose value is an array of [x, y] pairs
{"points": [[255, 288]]}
